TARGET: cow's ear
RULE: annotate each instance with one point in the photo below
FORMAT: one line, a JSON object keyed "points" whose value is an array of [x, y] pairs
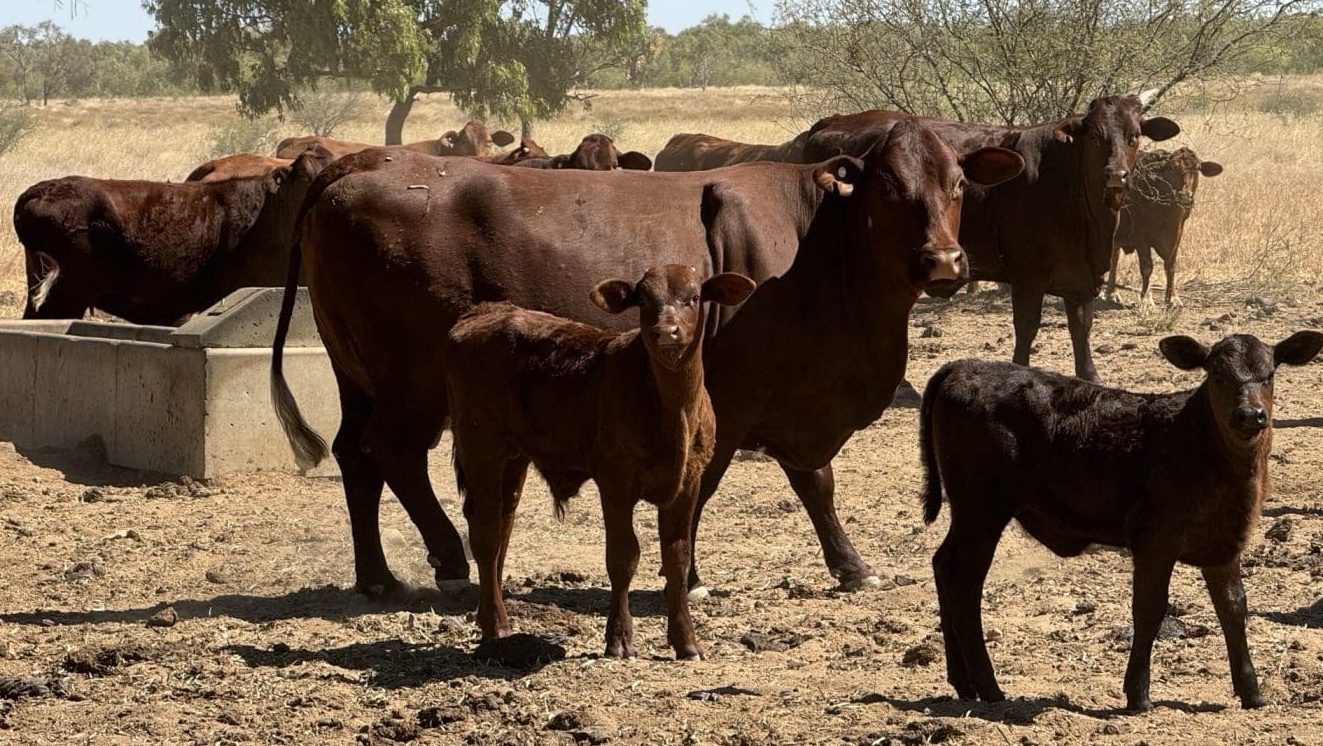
{"points": [[560, 161], [839, 175], [634, 161], [992, 166], [1158, 129], [1210, 168], [1297, 349], [1067, 129], [278, 176], [501, 138], [728, 288], [614, 296], [1184, 352], [449, 138]]}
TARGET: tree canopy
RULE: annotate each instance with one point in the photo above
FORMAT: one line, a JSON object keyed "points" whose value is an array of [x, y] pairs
{"points": [[510, 58]]}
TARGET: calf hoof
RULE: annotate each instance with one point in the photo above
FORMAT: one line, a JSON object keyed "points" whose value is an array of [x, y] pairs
{"points": [[453, 587], [698, 594], [380, 587], [691, 654], [864, 583], [1138, 704], [447, 569], [993, 696], [620, 649], [1253, 701]]}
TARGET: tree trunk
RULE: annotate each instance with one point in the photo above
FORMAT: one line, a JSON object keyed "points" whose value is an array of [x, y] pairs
{"points": [[525, 128], [395, 120]]}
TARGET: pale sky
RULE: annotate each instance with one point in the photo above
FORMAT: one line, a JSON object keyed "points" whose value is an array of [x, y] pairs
{"points": [[125, 19]]}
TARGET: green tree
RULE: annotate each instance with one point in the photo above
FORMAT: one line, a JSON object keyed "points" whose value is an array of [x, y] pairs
{"points": [[510, 58]]}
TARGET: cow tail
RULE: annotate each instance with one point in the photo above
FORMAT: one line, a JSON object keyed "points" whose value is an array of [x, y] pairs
{"points": [[932, 475], [309, 447], [47, 271]]}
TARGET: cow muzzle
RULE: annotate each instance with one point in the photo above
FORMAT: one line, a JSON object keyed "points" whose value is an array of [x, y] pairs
{"points": [[669, 344], [1118, 182], [942, 266]]}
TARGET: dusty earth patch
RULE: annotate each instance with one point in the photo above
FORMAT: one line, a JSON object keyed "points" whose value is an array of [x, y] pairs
{"points": [[220, 613]]}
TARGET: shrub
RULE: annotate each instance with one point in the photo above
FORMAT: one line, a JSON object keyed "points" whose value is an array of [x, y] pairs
{"points": [[322, 112], [243, 135], [1289, 104], [16, 123]]}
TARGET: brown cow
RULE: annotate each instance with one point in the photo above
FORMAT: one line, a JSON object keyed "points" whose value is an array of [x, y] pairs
{"points": [[625, 409], [594, 153], [695, 152], [842, 249], [239, 166], [150, 252], [473, 139], [1049, 231], [528, 148], [1153, 218], [1177, 477]]}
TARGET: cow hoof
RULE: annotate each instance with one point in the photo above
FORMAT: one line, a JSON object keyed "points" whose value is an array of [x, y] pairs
{"points": [[448, 570], [872, 582], [380, 588], [453, 587], [698, 594]]}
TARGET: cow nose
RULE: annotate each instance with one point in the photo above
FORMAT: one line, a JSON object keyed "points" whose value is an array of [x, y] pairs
{"points": [[1117, 177], [668, 333], [1252, 419], [944, 264]]}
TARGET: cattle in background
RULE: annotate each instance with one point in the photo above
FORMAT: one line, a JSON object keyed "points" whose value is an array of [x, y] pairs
{"points": [[1177, 477], [150, 252], [595, 152], [697, 152], [473, 139], [239, 166], [625, 409], [1153, 218], [841, 250], [1050, 230], [528, 148]]}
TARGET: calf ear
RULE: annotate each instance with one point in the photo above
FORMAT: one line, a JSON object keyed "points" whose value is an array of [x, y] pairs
{"points": [[448, 139], [1067, 129], [728, 288], [635, 161], [501, 138], [992, 166], [1297, 349], [560, 161], [839, 175], [614, 296], [1184, 352], [1158, 129], [1210, 168]]}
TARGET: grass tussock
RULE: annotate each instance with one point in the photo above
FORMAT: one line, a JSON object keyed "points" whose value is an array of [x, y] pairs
{"points": [[1255, 229]]}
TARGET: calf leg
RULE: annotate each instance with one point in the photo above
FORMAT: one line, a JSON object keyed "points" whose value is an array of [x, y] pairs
{"points": [[1079, 318], [816, 490], [362, 483], [1111, 276], [482, 478], [1145, 273], [1169, 268], [1228, 594], [1152, 576], [1027, 310], [960, 568], [673, 525], [512, 490], [406, 473], [622, 559]]}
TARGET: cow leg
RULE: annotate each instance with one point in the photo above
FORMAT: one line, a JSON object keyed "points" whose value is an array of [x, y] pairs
{"points": [[482, 481], [512, 490], [816, 490], [363, 483], [1079, 319], [716, 469], [406, 473], [1027, 311], [622, 559], [960, 568], [1169, 268], [1152, 577], [1228, 594], [1145, 273], [673, 525], [1111, 276]]}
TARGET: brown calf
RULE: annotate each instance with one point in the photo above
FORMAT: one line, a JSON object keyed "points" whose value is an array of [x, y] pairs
{"points": [[697, 152], [595, 153], [473, 139], [1177, 477], [627, 410], [1160, 200], [238, 166]]}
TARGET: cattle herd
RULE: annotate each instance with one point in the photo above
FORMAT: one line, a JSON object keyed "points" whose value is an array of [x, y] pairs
{"points": [[459, 287]]}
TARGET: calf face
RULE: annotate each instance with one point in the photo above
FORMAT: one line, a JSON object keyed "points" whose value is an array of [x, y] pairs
{"points": [[1174, 177], [1240, 372], [598, 153], [473, 139], [1110, 132], [913, 186], [670, 299]]}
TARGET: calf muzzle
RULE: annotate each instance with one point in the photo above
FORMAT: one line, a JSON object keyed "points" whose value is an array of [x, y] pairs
{"points": [[1250, 421]]}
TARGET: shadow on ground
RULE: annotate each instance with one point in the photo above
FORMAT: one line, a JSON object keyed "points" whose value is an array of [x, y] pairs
{"points": [[389, 664], [1024, 710]]}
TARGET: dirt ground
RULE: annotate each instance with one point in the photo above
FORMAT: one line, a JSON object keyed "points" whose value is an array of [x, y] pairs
{"points": [[269, 645]]}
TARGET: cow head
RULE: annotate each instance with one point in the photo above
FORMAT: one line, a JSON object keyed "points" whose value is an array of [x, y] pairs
{"points": [[473, 139], [1172, 177], [598, 152], [1108, 136], [1240, 371], [910, 188], [299, 173], [670, 302]]}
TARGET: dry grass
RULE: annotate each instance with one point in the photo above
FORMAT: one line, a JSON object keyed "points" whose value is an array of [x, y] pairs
{"points": [[1255, 231]]}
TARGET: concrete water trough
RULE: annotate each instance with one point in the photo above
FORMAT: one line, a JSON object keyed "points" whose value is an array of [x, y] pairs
{"points": [[188, 401]]}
